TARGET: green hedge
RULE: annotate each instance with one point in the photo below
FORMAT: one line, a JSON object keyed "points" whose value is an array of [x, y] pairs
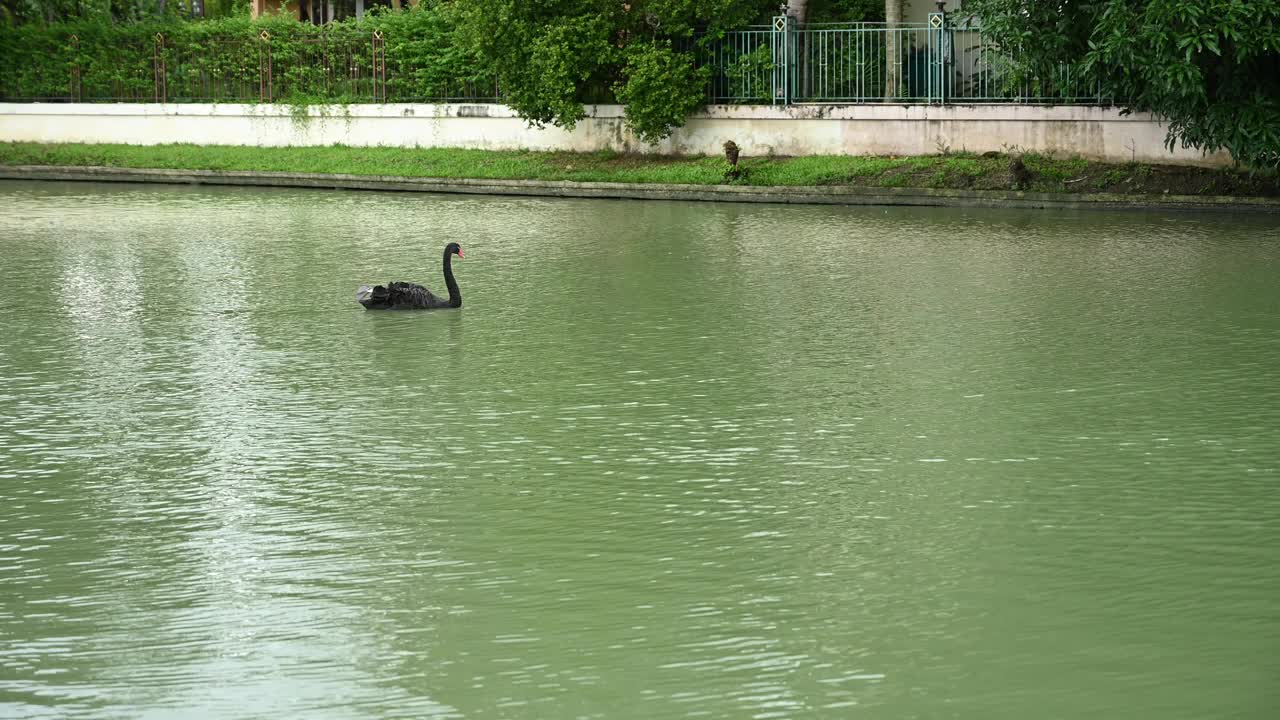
{"points": [[229, 60]]}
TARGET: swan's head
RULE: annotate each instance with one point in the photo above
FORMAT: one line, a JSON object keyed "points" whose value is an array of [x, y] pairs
{"points": [[453, 249]]}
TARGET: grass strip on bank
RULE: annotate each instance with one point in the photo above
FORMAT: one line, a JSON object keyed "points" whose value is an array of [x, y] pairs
{"points": [[950, 171]]}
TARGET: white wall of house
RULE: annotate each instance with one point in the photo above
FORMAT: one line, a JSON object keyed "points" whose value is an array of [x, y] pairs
{"points": [[1090, 132], [917, 11]]}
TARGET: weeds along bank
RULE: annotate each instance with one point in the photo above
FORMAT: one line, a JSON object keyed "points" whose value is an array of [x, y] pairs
{"points": [[956, 171]]}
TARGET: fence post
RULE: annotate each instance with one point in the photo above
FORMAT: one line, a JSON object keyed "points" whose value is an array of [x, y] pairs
{"points": [[379, 68], [780, 46], [266, 91], [76, 90], [939, 56], [159, 73]]}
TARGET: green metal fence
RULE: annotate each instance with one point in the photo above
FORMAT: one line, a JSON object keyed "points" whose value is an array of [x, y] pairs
{"points": [[937, 61]]}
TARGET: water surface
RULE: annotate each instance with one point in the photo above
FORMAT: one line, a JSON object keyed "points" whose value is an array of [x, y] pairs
{"points": [[670, 460]]}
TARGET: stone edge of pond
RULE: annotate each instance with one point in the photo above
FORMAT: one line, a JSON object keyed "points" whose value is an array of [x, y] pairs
{"points": [[810, 194]]}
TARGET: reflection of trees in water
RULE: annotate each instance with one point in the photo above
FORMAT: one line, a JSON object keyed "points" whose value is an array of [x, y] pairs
{"points": [[99, 355]]}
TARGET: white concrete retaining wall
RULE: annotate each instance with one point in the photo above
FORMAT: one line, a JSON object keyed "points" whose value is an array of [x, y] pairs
{"points": [[1090, 132]]}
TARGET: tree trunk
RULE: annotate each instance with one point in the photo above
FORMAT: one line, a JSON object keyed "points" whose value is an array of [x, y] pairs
{"points": [[892, 55], [798, 9]]}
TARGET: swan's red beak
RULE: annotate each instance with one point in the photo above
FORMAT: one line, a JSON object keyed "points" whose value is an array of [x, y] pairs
{"points": [[460, 256]]}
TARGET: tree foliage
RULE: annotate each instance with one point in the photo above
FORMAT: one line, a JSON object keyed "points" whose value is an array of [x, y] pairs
{"points": [[1210, 68], [554, 57], [54, 11], [825, 11], [660, 87], [222, 60]]}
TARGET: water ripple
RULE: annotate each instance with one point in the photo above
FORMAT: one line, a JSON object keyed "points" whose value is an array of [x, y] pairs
{"points": [[671, 460]]}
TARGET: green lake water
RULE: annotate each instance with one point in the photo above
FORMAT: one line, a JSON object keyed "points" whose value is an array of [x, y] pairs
{"points": [[670, 460]]}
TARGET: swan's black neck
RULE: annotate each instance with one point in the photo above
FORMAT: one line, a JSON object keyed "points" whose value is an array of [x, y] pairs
{"points": [[455, 296]]}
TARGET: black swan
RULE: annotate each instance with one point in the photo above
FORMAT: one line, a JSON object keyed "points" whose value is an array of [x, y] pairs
{"points": [[408, 296]]}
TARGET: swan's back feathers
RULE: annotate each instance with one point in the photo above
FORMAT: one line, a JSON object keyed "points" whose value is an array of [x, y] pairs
{"points": [[411, 295], [398, 296]]}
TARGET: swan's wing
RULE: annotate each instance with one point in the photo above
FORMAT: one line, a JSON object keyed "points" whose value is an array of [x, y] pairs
{"points": [[405, 287], [410, 294]]}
